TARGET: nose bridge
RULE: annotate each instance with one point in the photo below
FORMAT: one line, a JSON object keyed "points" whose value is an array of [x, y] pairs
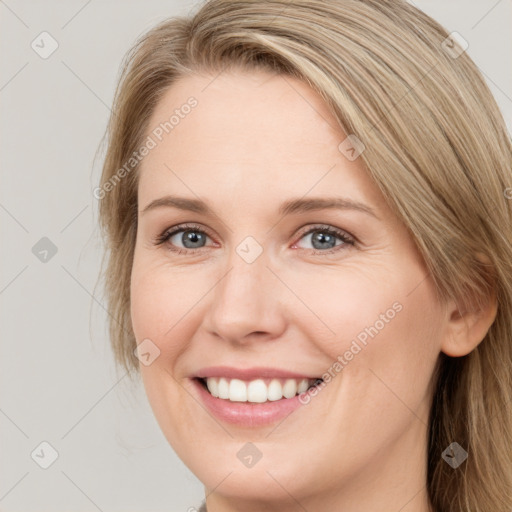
{"points": [[245, 300]]}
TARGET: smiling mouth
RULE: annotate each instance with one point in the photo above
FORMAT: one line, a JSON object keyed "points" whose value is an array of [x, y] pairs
{"points": [[257, 390]]}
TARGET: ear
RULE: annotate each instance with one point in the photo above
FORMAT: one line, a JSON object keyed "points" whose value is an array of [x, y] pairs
{"points": [[468, 325]]}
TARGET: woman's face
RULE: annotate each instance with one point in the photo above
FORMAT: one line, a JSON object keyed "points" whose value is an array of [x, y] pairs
{"points": [[258, 284]]}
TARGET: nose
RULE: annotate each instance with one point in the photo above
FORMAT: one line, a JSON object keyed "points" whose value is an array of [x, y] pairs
{"points": [[247, 303]]}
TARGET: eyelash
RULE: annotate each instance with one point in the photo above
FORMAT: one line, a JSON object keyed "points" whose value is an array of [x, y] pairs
{"points": [[342, 235]]}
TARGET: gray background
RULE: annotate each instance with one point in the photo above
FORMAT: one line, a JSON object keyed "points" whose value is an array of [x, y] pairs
{"points": [[58, 382]]}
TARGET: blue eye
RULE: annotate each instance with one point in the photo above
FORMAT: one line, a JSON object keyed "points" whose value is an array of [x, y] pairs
{"points": [[192, 235], [323, 237]]}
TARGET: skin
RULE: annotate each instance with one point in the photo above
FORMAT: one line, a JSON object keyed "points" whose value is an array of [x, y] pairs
{"points": [[253, 141]]}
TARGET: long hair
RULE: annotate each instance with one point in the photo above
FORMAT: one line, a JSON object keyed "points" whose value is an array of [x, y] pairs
{"points": [[435, 144]]}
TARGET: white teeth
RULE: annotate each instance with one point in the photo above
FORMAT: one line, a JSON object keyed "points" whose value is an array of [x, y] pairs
{"points": [[256, 391], [213, 387], [290, 388], [303, 386], [274, 391], [223, 388], [237, 391]]}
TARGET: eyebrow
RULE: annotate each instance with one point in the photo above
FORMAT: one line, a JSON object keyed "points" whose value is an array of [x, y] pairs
{"points": [[300, 205]]}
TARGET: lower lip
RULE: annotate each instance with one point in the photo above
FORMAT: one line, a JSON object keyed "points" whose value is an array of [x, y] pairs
{"points": [[248, 414]]}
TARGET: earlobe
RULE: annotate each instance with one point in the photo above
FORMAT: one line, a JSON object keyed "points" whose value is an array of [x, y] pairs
{"points": [[467, 327]]}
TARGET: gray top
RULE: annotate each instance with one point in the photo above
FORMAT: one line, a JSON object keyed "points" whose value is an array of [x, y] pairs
{"points": [[202, 508]]}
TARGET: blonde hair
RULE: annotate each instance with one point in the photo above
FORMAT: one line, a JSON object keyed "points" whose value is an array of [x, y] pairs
{"points": [[435, 144]]}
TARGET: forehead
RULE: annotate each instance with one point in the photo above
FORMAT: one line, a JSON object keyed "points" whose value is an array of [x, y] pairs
{"points": [[260, 112], [251, 133]]}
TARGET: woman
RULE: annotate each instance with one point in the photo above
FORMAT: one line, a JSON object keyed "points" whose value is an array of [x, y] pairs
{"points": [[308, 220]]}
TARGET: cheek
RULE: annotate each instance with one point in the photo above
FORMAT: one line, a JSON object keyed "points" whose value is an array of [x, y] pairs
{"points": [[340, 308], [164, 306], [381, 330], [389, 346]]}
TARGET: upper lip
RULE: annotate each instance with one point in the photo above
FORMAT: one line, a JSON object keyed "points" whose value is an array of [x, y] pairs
{"points": [[249, 373]]}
